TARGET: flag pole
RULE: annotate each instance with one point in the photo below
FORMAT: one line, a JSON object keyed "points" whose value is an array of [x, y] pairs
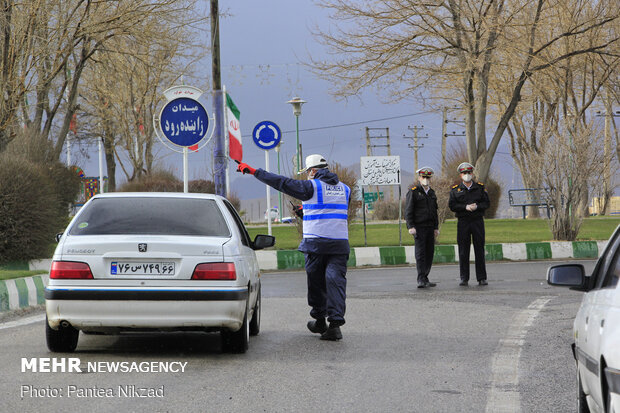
{"points": [[226, 142]]}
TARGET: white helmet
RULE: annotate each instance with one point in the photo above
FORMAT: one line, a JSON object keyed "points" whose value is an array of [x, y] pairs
{"points": [[314, 161]]}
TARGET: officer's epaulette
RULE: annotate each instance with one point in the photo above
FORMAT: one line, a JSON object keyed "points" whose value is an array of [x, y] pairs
{"points": [[414, 188], [455, 186], [480, 183]]}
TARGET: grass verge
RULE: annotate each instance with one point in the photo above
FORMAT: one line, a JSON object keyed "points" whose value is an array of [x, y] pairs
{"points": [[497, 231], [10, 274]]}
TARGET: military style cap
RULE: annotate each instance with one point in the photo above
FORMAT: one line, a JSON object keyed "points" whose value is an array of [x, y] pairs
{"points": [[425, 171], [465, 167], [314, 161]]}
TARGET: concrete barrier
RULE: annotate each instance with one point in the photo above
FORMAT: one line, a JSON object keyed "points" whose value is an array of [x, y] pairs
{"points": [[376, 256], [22, 292]]}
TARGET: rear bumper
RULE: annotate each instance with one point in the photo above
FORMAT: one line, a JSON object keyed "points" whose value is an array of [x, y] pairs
{"points": [[109, 309]]}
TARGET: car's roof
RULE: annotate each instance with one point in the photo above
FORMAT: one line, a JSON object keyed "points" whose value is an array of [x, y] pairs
{"points": [[157, 195]]}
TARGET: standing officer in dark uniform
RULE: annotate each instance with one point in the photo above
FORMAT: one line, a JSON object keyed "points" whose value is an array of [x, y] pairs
{"points": [[325, 239], [423, 224], [469, 200]]}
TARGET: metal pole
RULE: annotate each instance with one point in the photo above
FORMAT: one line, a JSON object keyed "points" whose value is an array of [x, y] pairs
{"points": [[364, 214], [185, 170], [400, 215], [219, 157], [279, 193], [101, 189], [297, 147], [268, 195], [444, 138], [69, 149], [226, 142]]}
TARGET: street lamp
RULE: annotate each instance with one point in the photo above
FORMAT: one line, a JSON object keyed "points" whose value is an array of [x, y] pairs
{"points": [[296, 102]]}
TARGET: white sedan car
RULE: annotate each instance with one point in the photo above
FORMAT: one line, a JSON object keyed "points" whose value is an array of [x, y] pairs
{"points": [[596, 328], [155, 262]]}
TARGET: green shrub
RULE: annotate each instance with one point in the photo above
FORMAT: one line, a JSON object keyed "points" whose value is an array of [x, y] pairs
{"points": [[157, 181], [33, 207]]}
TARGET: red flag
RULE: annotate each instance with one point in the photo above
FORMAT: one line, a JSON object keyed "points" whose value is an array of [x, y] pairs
{"points": [[235, 149], [194, 148]]}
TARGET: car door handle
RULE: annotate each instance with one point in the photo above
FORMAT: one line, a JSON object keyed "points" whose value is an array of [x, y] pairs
{"points": [[602, 323]]}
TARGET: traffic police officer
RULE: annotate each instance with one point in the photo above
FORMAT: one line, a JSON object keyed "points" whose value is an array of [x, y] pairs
{"points": [[325, 240], [423, 224], [469, 200]]}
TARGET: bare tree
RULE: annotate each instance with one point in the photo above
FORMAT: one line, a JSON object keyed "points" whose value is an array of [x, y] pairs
{"points": [[450, 48], [59, 39], [571, 156]]}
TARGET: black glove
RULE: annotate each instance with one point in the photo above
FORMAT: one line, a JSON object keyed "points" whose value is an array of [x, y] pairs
{"points": [[298, 210]]}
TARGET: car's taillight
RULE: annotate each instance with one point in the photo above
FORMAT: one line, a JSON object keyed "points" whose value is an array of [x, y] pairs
{"points": [[70, 270], [215, 271]]}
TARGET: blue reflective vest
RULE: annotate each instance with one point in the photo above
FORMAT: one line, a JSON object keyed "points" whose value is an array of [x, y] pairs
{"points": [[325, 214]]}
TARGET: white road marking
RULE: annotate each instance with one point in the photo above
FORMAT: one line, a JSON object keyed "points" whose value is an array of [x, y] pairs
{"points": [[22, 321], [504, 392]]}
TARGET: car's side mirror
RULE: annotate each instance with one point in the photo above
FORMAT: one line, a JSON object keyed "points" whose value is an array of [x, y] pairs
{"points": [[263, 241], [58, 236], [567, 275]]}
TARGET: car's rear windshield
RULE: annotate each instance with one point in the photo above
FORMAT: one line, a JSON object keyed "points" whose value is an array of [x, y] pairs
{"points": [[151, 216]]}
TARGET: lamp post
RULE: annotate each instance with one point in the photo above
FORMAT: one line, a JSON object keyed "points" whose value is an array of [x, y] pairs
{"points": [[296, 102], [279, 193]]}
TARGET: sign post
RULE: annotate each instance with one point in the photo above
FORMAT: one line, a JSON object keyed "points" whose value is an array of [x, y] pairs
{"points": [[184, 122], [267, 135], [382, 170]]}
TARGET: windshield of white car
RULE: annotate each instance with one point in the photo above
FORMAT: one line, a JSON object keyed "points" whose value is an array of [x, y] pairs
{"points": [[151, 216]]}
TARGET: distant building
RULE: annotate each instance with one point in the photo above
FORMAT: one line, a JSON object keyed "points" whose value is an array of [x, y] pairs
{"points": [[614, 206]]}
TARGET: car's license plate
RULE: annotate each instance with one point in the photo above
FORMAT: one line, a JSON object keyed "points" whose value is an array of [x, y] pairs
{"points": [[142, 268]]}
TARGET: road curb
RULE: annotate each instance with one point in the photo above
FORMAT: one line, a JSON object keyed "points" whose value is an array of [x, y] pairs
{"points": [[22, 292], [385, 256], [25, 292]]}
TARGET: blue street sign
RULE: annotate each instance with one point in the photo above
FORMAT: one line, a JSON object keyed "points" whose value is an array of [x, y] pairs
{"points": [[184, 121], [266, 135]]}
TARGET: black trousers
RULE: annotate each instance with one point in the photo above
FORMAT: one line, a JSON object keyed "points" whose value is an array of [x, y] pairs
{"points": [[469, 230], [327, 285], [424, 251]]}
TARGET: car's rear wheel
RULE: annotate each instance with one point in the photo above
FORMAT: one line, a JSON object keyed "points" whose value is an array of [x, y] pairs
{"points": [[255, 322], [582, 403], [63, 340], [237, 341]]}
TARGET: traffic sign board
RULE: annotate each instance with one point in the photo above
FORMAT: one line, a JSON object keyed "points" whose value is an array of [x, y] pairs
{"points": [[266, 135], [184, 121]]}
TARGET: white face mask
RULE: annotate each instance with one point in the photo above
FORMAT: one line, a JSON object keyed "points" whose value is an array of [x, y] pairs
{"points": [[467, 178], [424, 181]]}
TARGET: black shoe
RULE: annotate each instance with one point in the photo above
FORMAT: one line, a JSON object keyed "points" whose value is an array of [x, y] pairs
{"points": [[332, 334], [317, 326], [421, 284], [483, 282], [430, 284], [463, 283]]}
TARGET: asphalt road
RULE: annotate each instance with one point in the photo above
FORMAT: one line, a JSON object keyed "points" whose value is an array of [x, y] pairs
{"points": [[504, 347]]}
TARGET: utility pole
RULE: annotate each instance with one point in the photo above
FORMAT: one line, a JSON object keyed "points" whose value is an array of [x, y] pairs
{"points": [[415, 145], [604, 204], [444, 137], [219, 154]]}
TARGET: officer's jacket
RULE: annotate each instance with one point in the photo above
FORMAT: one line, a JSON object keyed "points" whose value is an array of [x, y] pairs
{"points": [[421, 208], [460, 197], [305, 190]]}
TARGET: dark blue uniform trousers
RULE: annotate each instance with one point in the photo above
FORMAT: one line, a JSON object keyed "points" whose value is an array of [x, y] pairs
{"points": [[327, 285], [468, 231], [424, 251]]}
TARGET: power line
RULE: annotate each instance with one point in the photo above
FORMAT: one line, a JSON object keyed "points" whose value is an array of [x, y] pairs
{"points": [[355, 123]]}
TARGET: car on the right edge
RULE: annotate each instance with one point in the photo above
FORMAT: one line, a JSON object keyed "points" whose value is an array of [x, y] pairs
{"points": [[596, 328]]}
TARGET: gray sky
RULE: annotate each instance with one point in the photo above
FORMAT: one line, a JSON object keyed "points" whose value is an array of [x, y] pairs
{"points": [[262, 46]]}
